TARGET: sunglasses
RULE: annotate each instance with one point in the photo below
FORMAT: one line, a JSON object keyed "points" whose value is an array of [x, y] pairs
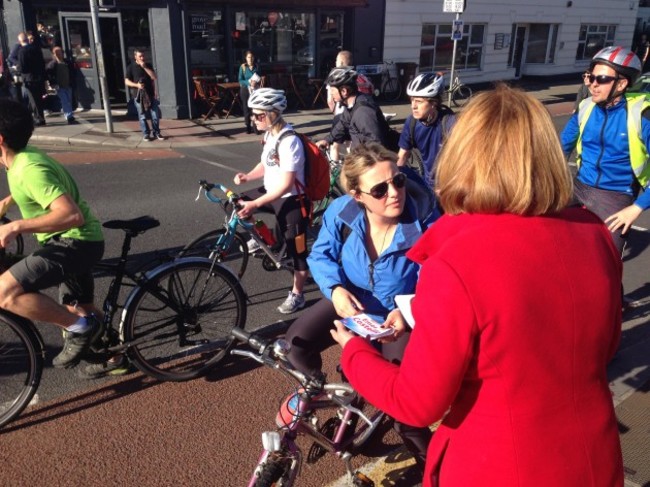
{"points": [[602, 79], [259, 116], [379, 191]]}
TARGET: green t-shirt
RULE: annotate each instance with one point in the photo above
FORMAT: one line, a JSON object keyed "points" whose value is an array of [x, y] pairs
{"points": [[35, 181]]}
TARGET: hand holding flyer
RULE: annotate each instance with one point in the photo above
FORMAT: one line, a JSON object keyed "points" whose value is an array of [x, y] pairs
{"points": [[363, 325]]}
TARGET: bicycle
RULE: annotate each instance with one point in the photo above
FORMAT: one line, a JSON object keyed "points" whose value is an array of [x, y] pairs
{"points": [[228, 246], [175, 325], [351, 421], [460, 93]]}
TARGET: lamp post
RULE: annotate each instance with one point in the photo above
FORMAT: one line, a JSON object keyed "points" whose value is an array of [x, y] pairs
{"points": [[94, 14]]}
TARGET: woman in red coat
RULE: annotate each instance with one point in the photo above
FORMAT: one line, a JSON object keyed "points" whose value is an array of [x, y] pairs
{"points": [[517, 313]]}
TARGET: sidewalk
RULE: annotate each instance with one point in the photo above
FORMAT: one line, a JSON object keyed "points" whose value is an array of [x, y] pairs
{"points": [[629, 372], [91, 131]]}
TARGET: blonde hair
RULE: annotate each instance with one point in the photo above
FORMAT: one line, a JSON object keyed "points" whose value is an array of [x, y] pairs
{"points": [[503, 156], [360, 160]]}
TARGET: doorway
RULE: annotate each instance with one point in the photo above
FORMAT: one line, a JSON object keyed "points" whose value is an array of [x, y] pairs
{"points": [[517, 47], [79, 46]]}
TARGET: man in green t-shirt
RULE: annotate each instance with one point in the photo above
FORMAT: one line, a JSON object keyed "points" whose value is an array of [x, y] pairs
{"points": [[69, 236]]}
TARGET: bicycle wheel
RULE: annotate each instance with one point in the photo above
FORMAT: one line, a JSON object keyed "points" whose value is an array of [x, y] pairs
{"points": [[21, 365], [275, 471], [461, 95], [415, 162], [234, 257], [18, 245], [178, 323], [391, 89]]}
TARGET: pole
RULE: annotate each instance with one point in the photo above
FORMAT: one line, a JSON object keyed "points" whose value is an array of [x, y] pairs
{"points": [[453, 65], [94, 14]]}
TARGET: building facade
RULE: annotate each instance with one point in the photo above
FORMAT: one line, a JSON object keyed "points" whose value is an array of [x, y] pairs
{"points": [[184, 39], [507, 39]]}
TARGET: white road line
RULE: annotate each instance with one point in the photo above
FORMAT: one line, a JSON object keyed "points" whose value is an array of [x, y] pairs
{"points": [[212, 163]]}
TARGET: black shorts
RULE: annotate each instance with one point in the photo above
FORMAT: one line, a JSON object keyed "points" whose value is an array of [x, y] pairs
{"points": [[62, 262]]}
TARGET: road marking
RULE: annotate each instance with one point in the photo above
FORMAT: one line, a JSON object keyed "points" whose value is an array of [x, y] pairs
{"points": [[212, 163]]}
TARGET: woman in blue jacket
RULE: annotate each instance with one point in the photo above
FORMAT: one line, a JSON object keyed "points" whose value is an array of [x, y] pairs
{"points": [[359, 262]]}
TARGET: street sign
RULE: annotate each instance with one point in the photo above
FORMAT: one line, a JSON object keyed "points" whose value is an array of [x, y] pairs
{"points": [[457, 30], [453, 6]]}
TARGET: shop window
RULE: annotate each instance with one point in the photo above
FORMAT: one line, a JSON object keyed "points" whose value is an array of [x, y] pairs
{"points": [[542, 39], [436, 47], [206, 41], [592, 38], [135, 27]]}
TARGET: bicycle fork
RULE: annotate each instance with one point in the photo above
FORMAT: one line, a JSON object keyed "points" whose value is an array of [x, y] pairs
{"points": [[281, 459]]}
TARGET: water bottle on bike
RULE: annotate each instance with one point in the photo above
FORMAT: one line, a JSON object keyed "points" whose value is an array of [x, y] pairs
{"points": [[264, 232]]}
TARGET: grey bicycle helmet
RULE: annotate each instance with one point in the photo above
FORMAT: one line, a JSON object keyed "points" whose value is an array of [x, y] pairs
{"points": [[343, 76], [426, 85], [621, 60], [268, 99]]}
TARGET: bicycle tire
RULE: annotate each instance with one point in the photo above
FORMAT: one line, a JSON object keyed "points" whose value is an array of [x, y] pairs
{"points": [[21, 365], [16, 247], [235, 257], [274, 470], [461, 95], [391, 89], [320, 207], [415, 162], [185, 340]]}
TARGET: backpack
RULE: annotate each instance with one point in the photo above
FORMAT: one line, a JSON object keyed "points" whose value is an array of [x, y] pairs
{"points": [[317, 168], [422, 197]]}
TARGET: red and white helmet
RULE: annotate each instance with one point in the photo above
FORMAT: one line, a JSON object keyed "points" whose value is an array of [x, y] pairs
{"points": [[621, 60]]}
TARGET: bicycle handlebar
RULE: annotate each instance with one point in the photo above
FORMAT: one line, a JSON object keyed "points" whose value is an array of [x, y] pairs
{"points": [[207, 187]]}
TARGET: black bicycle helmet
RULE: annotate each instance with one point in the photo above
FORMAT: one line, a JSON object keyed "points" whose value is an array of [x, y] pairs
{"points": [[425, 85], [343, 76], [621, 60]]}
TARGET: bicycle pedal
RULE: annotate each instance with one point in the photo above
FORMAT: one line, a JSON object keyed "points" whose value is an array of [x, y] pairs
{"points": [[362, 480]]}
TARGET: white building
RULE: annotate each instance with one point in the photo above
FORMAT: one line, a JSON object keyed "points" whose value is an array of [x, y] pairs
{"points": [[507, 39]]}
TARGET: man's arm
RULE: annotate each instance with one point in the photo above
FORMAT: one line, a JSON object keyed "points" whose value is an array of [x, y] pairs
{"points": [[570, 133], [64, 214]]}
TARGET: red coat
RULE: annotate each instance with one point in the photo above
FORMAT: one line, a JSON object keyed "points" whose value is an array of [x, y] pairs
{"points": [[516, 320]]}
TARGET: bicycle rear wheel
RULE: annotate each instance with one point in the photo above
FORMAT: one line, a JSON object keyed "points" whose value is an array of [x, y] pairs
{"points": [[21, 365], [415, 162], [392, 89], [178, 323], [461, 95], [235, 257]]}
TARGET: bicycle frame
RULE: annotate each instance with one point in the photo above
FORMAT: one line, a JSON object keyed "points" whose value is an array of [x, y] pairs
{"points": [[226, 239], [281, 446]]}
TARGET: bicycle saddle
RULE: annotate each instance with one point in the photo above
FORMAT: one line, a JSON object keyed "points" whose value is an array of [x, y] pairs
{"points": [[139, 224]]}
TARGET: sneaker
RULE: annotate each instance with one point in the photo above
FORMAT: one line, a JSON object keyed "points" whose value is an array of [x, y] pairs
{"points": [[147, 138], [293, 303], [253, 246], [158, 137], [72, 121], [75, 345], [105, 369]]}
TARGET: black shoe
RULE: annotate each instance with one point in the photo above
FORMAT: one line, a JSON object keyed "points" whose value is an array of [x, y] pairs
{"points": [[249, 130], [72, 121], [120, 366], [39, 123], [158, 137], [147, 138], [75, 345]]}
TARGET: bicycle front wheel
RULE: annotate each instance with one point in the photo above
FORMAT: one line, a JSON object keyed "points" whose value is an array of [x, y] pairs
{"points": [[235, 257], [461, 95], [392, 89], [21, 365], [178, 323]]}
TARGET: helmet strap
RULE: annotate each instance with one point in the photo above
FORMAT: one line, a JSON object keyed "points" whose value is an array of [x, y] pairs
{"points": [[613, 93], [432, 117]]}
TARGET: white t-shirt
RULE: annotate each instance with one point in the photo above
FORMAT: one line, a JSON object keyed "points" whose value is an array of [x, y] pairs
{"points": [[291, 158]]}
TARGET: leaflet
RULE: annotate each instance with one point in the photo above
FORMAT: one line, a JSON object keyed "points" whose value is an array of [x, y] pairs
{"points": [[363, 325], [403, 302]]}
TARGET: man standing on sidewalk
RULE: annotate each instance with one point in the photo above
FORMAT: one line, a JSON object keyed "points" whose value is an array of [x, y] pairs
{"points": [[141, 79], [32, 67]]}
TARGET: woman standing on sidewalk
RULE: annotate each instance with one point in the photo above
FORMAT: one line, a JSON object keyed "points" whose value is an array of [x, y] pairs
{"points": [[517, 313], [249, 79]]}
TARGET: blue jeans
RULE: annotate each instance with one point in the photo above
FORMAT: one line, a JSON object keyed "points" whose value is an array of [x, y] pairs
{"points": [[65, 95], [151, 113]]}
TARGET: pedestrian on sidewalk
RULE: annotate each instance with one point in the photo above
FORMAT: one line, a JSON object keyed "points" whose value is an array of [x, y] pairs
{"points": [[32, 68], [60, 72], [142, 81], [249, 79], [584, 91], [517, 313]]}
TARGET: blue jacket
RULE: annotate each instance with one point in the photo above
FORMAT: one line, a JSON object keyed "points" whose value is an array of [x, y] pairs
{"points": [[335, 260], [605, 150]]}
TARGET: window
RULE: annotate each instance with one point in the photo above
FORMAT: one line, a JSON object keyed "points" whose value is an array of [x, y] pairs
{"points": [[542, 39], [436, 47], [593, 38], [206, 40]]}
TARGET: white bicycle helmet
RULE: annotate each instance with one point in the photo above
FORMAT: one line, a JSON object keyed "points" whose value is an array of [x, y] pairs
{"points": [[425, 85], [343, 76], [268, 99], [621, 60]]}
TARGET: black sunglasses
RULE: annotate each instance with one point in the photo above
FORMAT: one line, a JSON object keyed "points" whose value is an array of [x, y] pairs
{"points": [[258, 116], [379, 191], [602, 79]]}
